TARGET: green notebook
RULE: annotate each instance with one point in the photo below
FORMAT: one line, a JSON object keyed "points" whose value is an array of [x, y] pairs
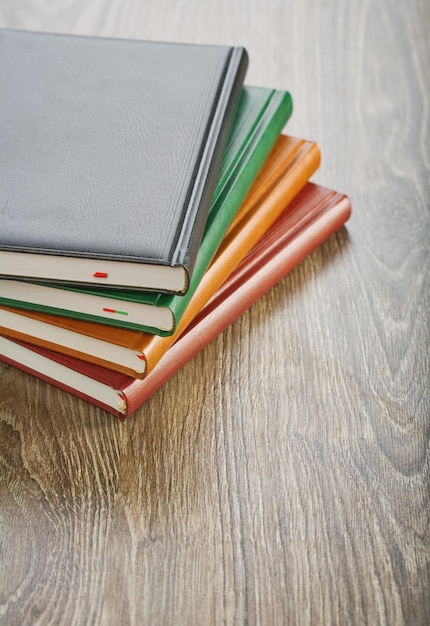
{"points": [[261, 116]]}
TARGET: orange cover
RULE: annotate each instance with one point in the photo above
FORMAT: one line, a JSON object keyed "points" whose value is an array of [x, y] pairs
{"points": [[286, 171]]}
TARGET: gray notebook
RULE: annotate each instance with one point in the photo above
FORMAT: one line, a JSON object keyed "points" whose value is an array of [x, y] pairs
{"points": [[109, 155]]}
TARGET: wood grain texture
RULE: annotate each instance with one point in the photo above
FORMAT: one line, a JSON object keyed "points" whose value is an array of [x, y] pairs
{"points": [[282, 477]]}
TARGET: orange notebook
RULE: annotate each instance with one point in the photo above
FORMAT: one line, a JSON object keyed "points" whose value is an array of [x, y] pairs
{"points": [[134, 353]]}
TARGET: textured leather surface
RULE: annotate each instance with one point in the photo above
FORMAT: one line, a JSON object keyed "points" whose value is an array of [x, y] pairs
{"points": [[101, 142]]}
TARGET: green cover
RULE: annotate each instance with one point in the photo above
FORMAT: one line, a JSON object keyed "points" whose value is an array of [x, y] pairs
{"points": [[261, 116]]}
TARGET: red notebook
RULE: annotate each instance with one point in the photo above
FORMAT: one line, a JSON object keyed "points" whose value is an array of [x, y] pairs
{"points": [[292, 237]]}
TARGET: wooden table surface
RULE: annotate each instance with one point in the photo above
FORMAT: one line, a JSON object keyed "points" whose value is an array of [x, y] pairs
{"points": [[282, 477]]}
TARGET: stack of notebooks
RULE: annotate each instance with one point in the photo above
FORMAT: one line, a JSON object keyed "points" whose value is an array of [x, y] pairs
{"points": [[148, 198]]}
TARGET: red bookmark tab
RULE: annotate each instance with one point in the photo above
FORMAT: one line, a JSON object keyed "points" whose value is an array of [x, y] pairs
{"points": [[100, 275]]}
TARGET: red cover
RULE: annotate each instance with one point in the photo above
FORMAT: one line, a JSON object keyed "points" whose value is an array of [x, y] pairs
{"points": [[292, 237]]}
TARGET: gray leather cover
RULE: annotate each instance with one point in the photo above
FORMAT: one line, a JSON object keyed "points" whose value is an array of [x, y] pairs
{"points": [[111, 148]]}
